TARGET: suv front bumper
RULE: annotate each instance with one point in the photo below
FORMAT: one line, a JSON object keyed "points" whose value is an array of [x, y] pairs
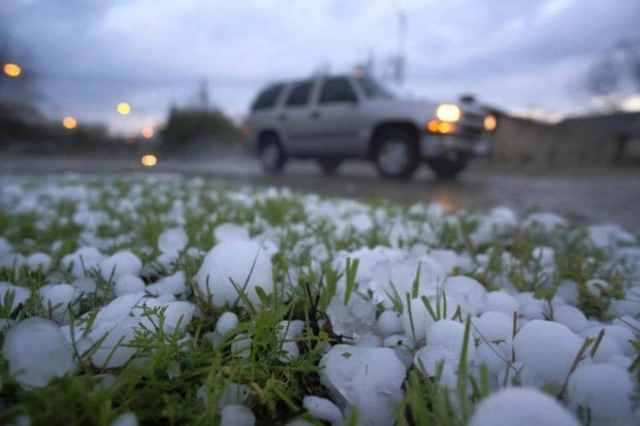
{"points": [[434, 145]]}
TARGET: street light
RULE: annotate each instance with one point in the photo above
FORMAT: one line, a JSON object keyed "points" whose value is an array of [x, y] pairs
{"points": [[124, 108], [12, 70], [69, 123], [147, 133]]}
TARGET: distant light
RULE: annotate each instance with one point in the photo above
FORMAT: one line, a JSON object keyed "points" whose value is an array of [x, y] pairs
{"points": [[124, 108], [490, 123], [446, 128], [433, 126], [149, 160], [147, 133], [12, 70], [357, 73], [69, 123], [448, 112]]}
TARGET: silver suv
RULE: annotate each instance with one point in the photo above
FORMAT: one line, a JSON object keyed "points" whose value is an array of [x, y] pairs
{"points": [[335, 118]]}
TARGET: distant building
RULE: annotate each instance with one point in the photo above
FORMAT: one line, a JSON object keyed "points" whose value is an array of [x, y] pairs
{"points": [[597, 140]]}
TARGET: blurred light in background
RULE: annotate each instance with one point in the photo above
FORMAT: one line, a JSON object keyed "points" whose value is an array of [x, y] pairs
{"points": [[69, 123], [448, 112], [446, 128], [12, 70], [147, 133], [149, 160], [490, 123], [124, 108]]}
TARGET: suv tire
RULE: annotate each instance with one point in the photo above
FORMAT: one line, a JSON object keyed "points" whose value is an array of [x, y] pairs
{"points": [[271, 154], [396, 153], [329, 166], [445, 168]]}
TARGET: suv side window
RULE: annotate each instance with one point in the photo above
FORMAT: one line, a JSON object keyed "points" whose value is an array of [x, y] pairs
{"points": [[299, 95], [267, 98], [337, 89]]}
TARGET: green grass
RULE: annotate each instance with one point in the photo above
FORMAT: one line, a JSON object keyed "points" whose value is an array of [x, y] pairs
{"points": [[177, 378]]}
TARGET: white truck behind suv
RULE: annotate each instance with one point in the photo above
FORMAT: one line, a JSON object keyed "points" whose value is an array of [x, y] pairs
{"points": [[336, 118]]}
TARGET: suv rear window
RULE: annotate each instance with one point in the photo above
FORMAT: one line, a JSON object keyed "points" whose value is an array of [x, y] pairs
{"points": [[337, 89], [267, 98], [299, 94]]}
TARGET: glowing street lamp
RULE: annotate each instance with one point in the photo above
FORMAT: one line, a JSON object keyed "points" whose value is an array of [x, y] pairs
{"points": [[124, 108], [69, 123], [12, 70], [147, 133], [149, 160]]}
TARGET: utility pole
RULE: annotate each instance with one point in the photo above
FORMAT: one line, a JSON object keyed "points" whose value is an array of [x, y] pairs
{"points": [[203, 95]]}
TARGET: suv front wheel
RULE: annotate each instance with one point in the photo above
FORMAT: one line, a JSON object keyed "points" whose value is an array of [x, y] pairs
{"points": [[271, 155], [396, 153]]}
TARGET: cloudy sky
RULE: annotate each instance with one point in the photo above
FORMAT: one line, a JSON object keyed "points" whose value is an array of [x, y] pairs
{"points": [[89, 55]]}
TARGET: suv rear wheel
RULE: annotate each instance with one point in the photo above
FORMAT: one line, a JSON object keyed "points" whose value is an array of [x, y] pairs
{"points": [[271, 154], [329, 166], [445, 168], [396, 153]]}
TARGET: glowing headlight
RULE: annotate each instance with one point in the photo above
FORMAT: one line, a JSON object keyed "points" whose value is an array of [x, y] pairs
{"points": [[448, 112], [490, 123]]}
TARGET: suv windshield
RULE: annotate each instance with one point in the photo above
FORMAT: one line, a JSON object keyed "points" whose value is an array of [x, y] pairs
{"points": [[375, 90]]}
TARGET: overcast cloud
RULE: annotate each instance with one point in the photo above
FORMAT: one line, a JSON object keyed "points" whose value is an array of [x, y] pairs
{"points": [[91, 54]]}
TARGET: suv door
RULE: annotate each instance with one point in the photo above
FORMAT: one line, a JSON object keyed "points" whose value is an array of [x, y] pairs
{"points": [[336, 119], [295, 115]]}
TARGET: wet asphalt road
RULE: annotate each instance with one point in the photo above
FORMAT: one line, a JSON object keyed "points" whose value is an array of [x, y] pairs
{"points": [[585, 197]]}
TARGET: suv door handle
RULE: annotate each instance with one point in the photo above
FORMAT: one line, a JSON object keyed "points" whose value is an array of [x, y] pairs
{"points": [[315, 114]]}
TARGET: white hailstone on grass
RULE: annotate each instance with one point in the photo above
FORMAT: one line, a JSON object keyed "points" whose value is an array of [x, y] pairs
{"points": [[122, 262], [389, 322], [84, 285], [323, 409], [629, 306], [227, 232], [501, 302], [37, 351], [237, 415], [415, 319], [241, 345], [469, 293], [445, 340], [126, 419], [608, 234], [369, 341], [178, 315], [622, 335], [492, 326], [82, 260], [369, 379], [20, 294], [621, 361], [39, 261], [290, 329], [531, 308], [56, 299], [118, 308], [113, 352], [290, 352], [547, 347], [172, 240], [227, 322], [128, 284], [243, 263], [5, 247], [572, 317], [354, 319], [522, 407], [595, 287], [544, 222], [173, 284], [569, 291], [604, 389], [493, 355], [516, 374]]}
